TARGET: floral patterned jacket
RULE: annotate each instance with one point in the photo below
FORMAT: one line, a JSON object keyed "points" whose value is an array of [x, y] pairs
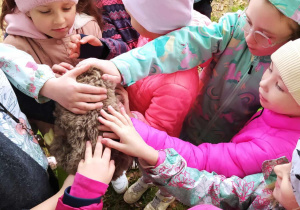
{"points": [[193, 187]]}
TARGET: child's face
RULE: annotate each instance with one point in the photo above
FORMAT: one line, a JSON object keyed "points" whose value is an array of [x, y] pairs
{"points": [[283, 191], [54, 19], [265, 18], [274, 95]]}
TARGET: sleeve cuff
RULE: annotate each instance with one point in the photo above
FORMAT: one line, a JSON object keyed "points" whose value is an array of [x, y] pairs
{"points": [[84, 187], [89, 51], [78, 202]]}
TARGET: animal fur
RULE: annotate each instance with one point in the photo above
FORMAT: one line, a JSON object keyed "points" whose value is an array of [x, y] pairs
{"points": [[72, 130]]}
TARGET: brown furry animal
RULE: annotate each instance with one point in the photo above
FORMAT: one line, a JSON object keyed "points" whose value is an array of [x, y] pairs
{"points": [[74, 130]]}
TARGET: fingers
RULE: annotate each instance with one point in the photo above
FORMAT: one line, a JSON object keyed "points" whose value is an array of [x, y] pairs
{"points": [[66, 65], [88, 151], [92, 40], [104, 128], [79, 70], [128, 120], [98, 148], [85, 88], [115, 79], [82, 106], [112, 168], [110, 135], [113, 144], [91, 98], [75, 38], [62, 68], [118, 115], [106, 154], [110, 118]]}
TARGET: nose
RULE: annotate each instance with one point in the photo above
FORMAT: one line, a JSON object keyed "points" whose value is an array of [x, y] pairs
{"points": [[249, 37], [282, 169], [59, 18], [264, 84]]}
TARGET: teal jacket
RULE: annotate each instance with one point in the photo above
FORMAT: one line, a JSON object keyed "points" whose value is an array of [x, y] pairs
{"points": [[228, 94]]}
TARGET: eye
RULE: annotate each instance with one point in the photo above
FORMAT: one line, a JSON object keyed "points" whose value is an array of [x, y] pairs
{"points": [[45, 12], [270, 69], [67, 8], [279, 88]]}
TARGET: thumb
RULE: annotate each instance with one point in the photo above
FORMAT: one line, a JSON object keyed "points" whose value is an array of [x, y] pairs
{"points": [[112, 78], [79, 70]]}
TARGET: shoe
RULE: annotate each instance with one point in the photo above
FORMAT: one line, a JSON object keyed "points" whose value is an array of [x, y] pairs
{"points": [[159, 202], [135, 191], [134, 165], [121, 184]]}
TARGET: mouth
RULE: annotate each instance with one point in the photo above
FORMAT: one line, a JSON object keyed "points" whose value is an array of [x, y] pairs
{"points": [[60, 29], [277, 185], [262, 98]]}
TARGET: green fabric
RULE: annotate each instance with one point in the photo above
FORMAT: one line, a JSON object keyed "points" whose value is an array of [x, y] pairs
{"points": [[290, 8]]}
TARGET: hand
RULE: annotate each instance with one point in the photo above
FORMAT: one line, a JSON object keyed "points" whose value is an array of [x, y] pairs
{"points": [[110, 71], [98, 167], [76, 97], [131, 143], [76, 41], [62, 68], [120, 90]]}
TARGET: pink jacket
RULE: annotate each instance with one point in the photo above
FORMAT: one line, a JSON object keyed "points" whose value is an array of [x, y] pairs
{"points": [[83, 193], [165, 99], [264, 137]]}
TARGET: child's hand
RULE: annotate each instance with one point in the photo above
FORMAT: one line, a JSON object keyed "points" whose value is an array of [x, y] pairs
{"points": [[76, 97], [131, 143], [62, 68], [99, 166], [124, 99], [76, 41], [110, 71]]}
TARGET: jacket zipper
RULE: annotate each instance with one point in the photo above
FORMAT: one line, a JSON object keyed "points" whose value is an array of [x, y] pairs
{"points": [[226, 102]]}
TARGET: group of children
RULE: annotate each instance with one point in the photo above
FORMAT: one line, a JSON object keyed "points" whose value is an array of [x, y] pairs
{"points": [[228, 149]]}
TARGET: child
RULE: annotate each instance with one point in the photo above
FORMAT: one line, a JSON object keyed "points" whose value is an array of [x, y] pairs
{"points": [[277, 124], [43, 28], [239, 46], [161, 101], [168, 170]]}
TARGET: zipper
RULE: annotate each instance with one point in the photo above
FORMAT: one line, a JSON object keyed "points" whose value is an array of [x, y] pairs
{"points": [[226, 102]]}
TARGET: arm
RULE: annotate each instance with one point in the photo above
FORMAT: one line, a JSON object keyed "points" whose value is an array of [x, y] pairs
{"points": [[191, 186], [51, 202], [229, 159], [25, 74], [91, 181], [179, 50], [118, 32]]}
